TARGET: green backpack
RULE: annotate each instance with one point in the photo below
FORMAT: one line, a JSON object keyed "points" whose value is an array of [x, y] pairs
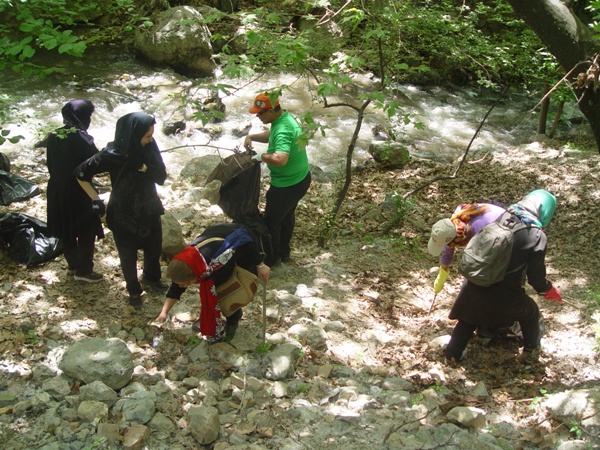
{"points": [[487, 255]]}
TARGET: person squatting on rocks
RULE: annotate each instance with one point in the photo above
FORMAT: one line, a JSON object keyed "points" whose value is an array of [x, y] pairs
{"points": [[70, 214], [290, 172], [134, 209], [505, 302], [209, 262], [448, 234]]}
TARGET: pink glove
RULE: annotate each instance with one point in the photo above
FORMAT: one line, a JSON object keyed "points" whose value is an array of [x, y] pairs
{"points": [[553, 295]]}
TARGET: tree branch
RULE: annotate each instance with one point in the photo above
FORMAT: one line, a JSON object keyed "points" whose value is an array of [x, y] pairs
{"points": [[464, 157]]}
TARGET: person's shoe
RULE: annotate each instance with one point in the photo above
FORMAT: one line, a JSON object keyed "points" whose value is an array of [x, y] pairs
{"points": [[135, 300], [157, 285], [92, 277], [230, 330], [196, 326]]}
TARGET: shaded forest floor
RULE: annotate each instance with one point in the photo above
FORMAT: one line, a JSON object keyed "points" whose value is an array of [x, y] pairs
{"points": [[376, 276]]}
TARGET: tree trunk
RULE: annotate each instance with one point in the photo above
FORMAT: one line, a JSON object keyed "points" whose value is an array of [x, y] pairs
{"points": [[559, 111], [573, 46], [541, 129]]}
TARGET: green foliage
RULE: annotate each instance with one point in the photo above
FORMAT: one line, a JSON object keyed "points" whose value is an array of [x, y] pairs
{"points": [[303, 388], [31, 337], [264, 348], [29, 27], [535, 403], [39, 25], [4, 136], [576, 430], [594, 10], [401, 208], [193, 341], [6, 116]]}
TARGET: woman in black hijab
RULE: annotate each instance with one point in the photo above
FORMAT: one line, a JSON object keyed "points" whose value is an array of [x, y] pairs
{"points": [[69, 209], [134, 209]]}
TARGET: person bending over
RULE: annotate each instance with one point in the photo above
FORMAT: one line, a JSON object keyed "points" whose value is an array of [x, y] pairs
{"points": [[209, 261]]}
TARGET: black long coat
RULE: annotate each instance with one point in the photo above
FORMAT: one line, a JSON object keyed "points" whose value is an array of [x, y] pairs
{"points": [[506, 302], [134, 210], [69, 208]]}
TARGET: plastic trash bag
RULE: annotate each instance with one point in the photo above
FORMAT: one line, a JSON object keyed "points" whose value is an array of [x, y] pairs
{"points": [[14, 188], [4, 162], [27, 239], [239, 194]]}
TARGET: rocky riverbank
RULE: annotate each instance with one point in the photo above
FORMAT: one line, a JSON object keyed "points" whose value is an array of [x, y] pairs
{"points": [[351, 359]]}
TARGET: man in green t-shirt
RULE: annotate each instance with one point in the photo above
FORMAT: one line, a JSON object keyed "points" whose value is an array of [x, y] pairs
{"points": [[289, 168]]}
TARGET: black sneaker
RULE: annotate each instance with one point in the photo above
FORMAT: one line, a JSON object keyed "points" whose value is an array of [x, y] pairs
{"points": [[92, 277], [135, 300]]}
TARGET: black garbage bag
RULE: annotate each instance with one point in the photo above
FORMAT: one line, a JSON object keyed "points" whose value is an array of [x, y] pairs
{"points": [[4, 162], [14, 188], [240, 193], [27, 239]]}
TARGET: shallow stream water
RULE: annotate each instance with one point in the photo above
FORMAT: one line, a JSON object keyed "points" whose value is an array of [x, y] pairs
{"points": [[118, 84]]}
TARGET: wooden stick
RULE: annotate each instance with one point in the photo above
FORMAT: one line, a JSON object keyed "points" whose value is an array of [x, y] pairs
{"points": [[572, 304]]}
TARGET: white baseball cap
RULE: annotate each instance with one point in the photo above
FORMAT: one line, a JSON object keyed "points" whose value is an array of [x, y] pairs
{"points": [[442, 233]]}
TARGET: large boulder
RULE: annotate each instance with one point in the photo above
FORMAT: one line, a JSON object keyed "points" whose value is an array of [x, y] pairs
{"points": [[180, 39], [97, 359], [390, 154], [198, 169]]}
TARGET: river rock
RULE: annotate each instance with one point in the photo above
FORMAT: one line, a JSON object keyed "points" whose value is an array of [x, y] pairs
{"points": [[581, 404], [97, 359], [204, 424], [467, 416], [100, 392], [179, 39], [57, 387], [314, 336], [7, 399], [198, 169], [281, 362], [172, 235], [390, 154], [135, 436], [137, 408], [92, 411]]}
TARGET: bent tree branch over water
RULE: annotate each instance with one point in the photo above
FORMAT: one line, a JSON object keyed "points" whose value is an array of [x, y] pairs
{"points": [[464, 156]]}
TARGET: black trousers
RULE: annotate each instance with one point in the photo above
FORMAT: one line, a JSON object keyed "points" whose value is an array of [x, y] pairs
{"points": [[280, 217], [463, 332], [151, 250], [79, 251]]}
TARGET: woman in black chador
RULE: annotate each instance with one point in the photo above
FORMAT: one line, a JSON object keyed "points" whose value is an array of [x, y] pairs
{"points": [[69, 208], [134, 209]]}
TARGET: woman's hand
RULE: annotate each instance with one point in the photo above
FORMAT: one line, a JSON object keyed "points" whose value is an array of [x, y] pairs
{"points": [[263, 272]]}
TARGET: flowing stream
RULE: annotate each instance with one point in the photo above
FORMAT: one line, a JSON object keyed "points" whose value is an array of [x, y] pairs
{"points": [[118, 84]]}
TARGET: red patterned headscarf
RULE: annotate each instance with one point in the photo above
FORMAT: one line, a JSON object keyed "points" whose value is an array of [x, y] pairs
{"points": [[211, 322]]}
